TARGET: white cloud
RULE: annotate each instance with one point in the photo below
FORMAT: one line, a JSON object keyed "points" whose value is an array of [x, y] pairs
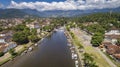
{"points": [[67, 5]]}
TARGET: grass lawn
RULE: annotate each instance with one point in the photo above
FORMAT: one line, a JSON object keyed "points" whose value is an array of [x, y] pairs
{"points": [[100, 61], [115, 62], [19, 49], [5, 58]]}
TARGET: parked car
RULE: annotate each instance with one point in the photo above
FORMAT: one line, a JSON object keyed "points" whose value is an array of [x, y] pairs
{"points": [[76, 63]]}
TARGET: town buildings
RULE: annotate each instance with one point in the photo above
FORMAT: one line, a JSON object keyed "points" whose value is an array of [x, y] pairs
{"points": [[6, 41], [110, 41]]}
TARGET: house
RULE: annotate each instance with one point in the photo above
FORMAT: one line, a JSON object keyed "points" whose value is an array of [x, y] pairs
{"points": [[113, 31], [112, 35], [10, 46], [2, 46], [34, 25], [2, 39], [106, 44], [6, 41], [117, 56], [1, 35], [109, 42], [6, 36], [113, 49]]}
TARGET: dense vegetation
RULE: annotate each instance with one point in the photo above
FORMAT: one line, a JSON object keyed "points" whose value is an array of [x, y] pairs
{"points": [[118, 42], [1, 54], [23, 34], [89, 60], [12, 52], [12, 13], [103, 19], [97, 24], [97, 38]]}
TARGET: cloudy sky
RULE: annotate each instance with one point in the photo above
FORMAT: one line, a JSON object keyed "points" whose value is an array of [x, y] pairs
{"points": [[42, 5]]}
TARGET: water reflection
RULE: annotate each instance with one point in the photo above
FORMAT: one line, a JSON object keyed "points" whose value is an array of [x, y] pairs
{"points": [[52, 52]]}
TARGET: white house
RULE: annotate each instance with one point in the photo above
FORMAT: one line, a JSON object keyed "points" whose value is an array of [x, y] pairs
{"points": [[113, 32], [112, 36], [10, 46], [2, 35], [33, 25], [2, 39]]}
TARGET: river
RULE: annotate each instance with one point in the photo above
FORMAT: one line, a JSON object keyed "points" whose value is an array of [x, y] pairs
{"points": [[51, 52]]}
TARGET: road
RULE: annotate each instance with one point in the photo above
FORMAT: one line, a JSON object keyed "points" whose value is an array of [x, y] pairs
{"points": [[85, 38], [106, 58]]}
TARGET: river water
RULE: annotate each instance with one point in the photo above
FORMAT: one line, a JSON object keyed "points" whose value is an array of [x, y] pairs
{"points": [[51, 52]]}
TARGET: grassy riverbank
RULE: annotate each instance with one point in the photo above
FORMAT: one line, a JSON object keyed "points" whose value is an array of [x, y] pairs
{"points": [[78, 40], [19, 49]]}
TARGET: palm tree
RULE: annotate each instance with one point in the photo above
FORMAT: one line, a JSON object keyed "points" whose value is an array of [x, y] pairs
{"points": [[89, 60]]}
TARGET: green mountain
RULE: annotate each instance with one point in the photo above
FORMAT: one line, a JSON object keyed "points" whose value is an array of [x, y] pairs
{"points": [[12, 13]]}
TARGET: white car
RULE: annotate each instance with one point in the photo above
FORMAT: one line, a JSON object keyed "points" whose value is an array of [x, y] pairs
{"points": [[76, 63], [36, 44], [76, 66], [75, 56]]}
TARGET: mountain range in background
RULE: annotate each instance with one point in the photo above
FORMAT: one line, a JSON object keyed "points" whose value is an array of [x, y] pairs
{"points": [[20, 13]]}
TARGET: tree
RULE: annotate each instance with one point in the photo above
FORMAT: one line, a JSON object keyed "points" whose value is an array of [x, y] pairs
{"points": [[89, 60], [20, 27], [1, 54], [1, 29], [33, 38], [20, 38], [12, 52], [95, 28], [118, 42], [97, 38], [33, 31]]}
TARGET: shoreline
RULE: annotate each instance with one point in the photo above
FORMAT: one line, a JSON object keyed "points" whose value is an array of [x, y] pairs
{"points": [[75, 50], [23, 49]]}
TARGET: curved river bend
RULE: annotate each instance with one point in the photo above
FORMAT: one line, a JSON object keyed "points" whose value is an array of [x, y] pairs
{"points": [[51, 52]]}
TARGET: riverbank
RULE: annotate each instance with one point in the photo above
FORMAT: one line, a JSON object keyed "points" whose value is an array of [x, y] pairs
{"points": [[21, 49], [84, 38], [51, 52], [74, 49]]}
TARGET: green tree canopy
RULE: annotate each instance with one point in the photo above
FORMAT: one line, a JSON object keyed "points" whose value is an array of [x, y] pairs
{"points": [[118, 42], [1, 54], [97, 38], [20, 27], [33, 38], [12, 52], [20, 38]]}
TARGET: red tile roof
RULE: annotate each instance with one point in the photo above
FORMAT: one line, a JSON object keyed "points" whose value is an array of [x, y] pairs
{"points": [[113, 49], [2, 46], [117, 56], [106, 43]]}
